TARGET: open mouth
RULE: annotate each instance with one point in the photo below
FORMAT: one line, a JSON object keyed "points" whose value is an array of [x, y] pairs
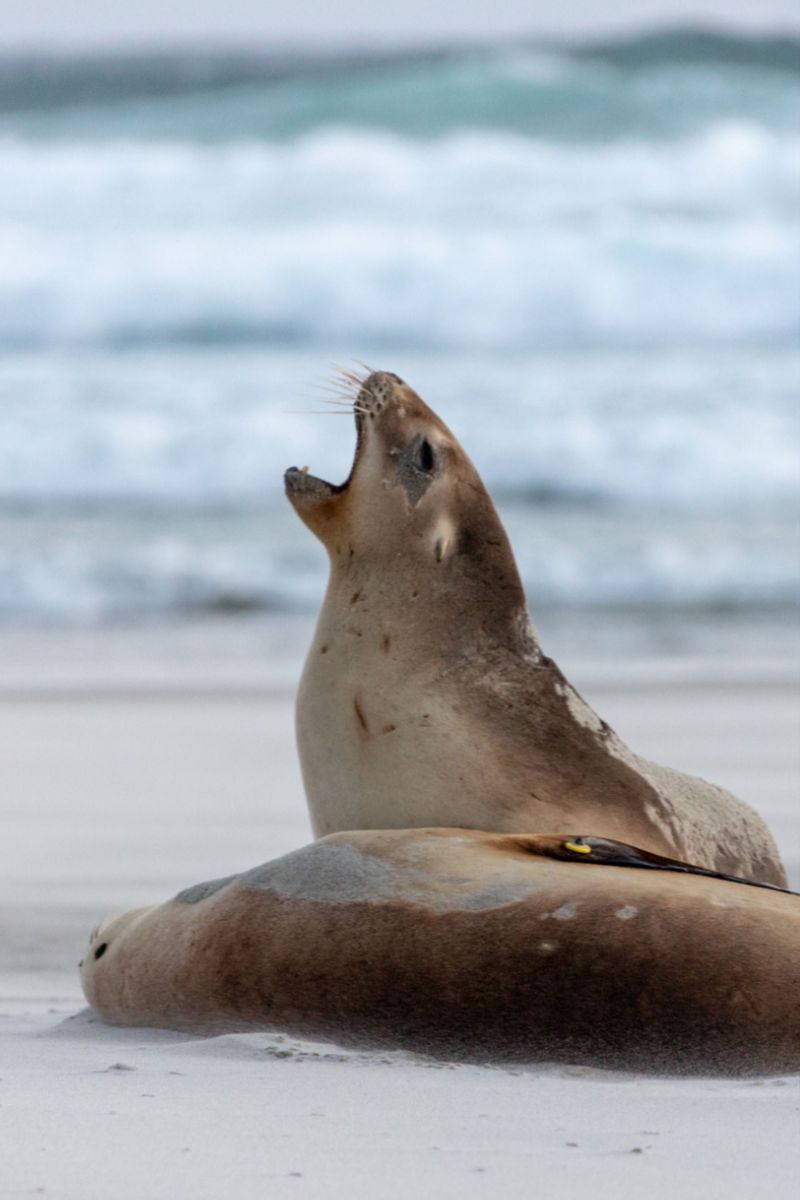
{"points": [[299, 480]]}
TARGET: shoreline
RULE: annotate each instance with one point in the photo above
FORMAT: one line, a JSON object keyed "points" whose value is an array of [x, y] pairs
{"points": [[262, 654]]}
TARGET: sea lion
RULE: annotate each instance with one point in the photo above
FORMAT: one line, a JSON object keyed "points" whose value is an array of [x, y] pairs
{"points": [[426, 699], [493, 946]]}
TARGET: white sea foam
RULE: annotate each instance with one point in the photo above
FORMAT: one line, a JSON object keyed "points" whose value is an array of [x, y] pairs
{"points": [[665, 431], [150, 482], [475, 239]]}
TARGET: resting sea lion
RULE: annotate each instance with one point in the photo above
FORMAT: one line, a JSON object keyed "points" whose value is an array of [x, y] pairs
{"points": [[489, 945], [426, 699]]}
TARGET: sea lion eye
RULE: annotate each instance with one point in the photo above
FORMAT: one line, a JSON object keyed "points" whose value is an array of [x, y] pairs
{"points": [[417, 467], [426, 458]]}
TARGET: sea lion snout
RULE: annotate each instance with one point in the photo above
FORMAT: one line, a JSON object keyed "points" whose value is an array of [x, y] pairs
{"points": [[399, 441], [314, 499], [379, 390]]}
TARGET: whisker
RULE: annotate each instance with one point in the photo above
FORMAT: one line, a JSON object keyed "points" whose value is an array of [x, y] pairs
{"points": [[351, 405], [337, 392], [347, 406], [331, 385], [327, 396], [349, 375], [355, 380]]}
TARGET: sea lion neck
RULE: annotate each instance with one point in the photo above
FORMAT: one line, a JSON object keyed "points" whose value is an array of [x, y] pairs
{"points": [[465, 597]]}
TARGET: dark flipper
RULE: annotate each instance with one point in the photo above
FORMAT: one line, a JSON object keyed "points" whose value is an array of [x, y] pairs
{"points": [[604, 852]]}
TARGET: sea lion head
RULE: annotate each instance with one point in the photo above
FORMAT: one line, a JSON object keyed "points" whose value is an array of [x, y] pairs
{"points": [[406, 476], [413, 510]]}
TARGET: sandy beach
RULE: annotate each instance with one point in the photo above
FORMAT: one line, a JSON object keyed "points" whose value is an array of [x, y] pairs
{"points": [[134, 764]]}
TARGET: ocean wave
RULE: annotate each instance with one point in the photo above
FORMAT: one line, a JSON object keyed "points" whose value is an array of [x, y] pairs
{"points": [[149, 484], [657, 85], [584, 256], [210, 433], [100, 571], [490, 240]]}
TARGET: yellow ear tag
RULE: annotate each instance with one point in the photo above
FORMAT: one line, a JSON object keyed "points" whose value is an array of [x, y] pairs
{"points": [[576, 848]]}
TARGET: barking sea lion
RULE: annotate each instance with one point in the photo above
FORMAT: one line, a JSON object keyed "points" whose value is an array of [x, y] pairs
{"points": [[426, 699]]}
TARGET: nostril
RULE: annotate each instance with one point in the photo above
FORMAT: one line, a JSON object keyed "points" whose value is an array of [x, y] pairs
{"points": [[101, 949]]}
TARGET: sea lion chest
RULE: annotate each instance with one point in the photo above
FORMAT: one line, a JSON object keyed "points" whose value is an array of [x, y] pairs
{"points": [[394, 734]]}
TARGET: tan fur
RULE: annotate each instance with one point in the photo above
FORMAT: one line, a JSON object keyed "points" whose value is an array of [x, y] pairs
{"points": [[426, 699], [464, 942]]}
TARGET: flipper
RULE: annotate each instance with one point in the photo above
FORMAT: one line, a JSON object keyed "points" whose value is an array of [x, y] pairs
{"points": [[607, 853]]}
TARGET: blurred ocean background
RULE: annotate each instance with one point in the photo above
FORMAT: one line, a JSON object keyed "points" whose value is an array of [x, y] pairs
{"points": [[584, 256]]}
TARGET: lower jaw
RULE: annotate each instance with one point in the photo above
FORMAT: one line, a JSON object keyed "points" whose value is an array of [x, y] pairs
{"points": [[300, 483]]}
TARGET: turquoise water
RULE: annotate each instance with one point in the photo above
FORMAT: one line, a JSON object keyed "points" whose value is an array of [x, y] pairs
{"points": [[585, 257]]}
